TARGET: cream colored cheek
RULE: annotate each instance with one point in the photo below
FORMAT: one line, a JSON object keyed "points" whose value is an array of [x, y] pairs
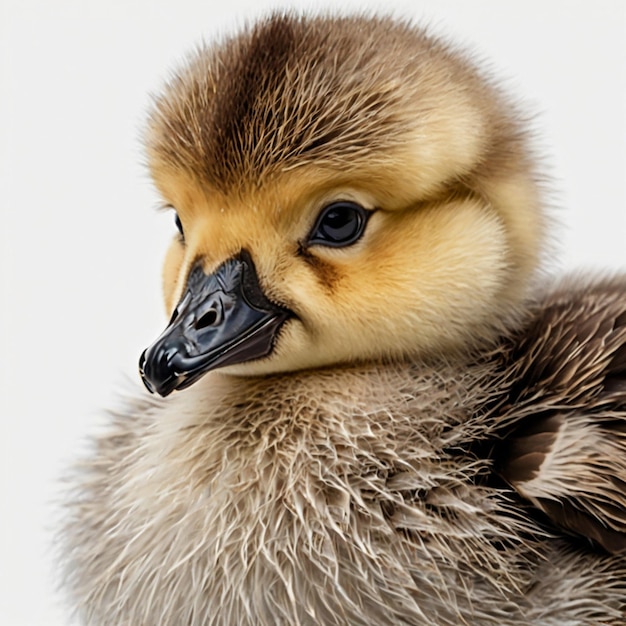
{"points": [[324, 329], [445, 277], [463, 271]]}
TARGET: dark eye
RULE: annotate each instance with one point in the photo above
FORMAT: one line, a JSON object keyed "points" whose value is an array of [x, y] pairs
{"points": [[339, 224], [179, 225]]}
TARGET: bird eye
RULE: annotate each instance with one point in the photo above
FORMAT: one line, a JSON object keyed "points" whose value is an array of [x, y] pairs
{"points": [[339, 224], [179, 225]]}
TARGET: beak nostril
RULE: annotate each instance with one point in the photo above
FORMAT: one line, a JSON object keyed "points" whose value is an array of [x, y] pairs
{"points": [[208, 319]]}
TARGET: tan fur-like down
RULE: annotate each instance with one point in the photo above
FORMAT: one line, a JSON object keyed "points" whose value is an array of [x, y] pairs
{"points": [[355, 496]]}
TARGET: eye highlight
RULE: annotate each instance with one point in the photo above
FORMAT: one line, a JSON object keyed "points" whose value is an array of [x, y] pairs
{"points": [[339, 224]]}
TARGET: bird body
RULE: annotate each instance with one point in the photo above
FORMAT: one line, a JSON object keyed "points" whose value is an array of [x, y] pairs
{"points": [[379, 417]]}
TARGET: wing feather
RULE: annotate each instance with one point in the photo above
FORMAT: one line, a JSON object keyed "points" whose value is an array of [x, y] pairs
{"points": [[567, 451]]}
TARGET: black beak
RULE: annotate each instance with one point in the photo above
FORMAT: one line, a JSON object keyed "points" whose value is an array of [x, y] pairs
{"points": [[222, 319]]}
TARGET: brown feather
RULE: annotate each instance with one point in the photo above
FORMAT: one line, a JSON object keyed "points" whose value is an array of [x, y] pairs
{"points": [[290, 92], [569, 455]]}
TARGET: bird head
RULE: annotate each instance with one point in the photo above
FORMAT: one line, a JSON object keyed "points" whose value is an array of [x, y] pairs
{"points": [[346, 190]]}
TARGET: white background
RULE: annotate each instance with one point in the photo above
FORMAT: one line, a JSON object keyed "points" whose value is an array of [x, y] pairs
{"points": [[81, 245]]}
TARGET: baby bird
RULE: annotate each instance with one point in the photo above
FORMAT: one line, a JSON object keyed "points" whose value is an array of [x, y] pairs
{"points": [[373, 410]]}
